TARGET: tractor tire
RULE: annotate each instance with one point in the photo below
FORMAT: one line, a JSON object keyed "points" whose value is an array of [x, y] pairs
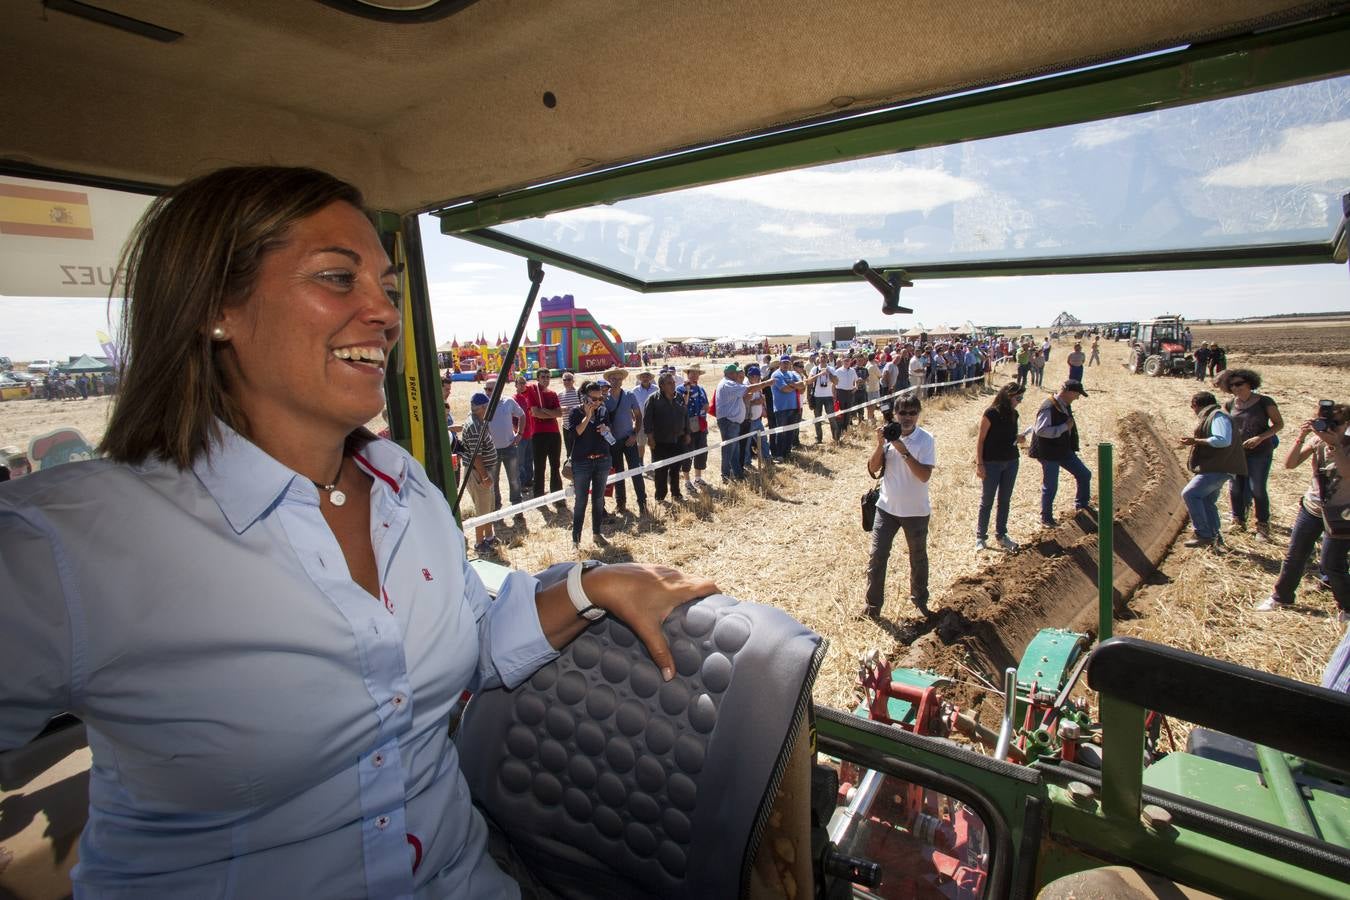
{"points": [[1153, 366]]}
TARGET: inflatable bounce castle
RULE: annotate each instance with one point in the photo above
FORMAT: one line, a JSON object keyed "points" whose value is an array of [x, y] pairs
{"points": [[574, 340]]}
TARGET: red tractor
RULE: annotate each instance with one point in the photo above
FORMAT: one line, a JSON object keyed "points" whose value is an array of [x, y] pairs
{"points": [[1158, 348]]}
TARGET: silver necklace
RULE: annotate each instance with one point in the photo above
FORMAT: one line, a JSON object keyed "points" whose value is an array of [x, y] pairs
{"points": [[336, 497]]}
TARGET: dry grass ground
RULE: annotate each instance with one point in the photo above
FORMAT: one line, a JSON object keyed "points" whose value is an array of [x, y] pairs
{"points": [[791, 537]]}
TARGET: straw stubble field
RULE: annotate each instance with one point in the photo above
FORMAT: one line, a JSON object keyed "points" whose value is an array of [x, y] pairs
{"points": [[791, 536]]}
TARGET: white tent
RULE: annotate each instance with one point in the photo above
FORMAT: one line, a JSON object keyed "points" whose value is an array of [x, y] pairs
{"points": [[652, 342]]}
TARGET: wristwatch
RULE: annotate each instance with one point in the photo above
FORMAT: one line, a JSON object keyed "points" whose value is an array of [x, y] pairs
{"points": [[577, 594]]}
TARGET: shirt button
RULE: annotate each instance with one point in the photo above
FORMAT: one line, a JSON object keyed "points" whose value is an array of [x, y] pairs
{"points": [[377, 760], [382, 822], [399, 700]]}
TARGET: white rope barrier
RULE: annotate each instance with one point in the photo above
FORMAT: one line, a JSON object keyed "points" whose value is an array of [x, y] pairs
{"points": [[615, 477]]}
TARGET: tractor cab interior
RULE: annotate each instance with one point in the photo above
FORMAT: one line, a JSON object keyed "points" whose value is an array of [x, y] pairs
{"points": [[513, 124]]}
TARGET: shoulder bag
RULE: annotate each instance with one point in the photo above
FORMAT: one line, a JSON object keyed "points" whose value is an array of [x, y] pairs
{"points": [[869, 498]]}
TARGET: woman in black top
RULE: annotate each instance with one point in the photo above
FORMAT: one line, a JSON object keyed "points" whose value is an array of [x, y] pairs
{"points": [[1256, 422], [996, 460], [591, 459]]}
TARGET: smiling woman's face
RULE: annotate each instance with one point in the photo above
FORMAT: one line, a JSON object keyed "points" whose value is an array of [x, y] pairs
{"points": [[307, 346]]}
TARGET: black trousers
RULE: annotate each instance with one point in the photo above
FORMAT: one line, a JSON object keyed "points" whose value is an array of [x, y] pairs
{"points": [[667, 477], [547, 446], [624, 457]]}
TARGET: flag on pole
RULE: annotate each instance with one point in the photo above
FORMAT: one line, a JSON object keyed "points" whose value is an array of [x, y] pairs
{"points": [[109, 348]]}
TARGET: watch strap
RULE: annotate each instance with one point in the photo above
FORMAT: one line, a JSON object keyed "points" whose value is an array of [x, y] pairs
{"points": [[577, 594]]}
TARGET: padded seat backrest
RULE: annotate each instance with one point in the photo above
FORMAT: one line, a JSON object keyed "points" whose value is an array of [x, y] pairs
{"points": [[610, 782]]}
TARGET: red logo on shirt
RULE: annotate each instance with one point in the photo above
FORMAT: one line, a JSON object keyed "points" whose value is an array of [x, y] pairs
{"points": [[388, 604], [426, 573], [417, 851]]}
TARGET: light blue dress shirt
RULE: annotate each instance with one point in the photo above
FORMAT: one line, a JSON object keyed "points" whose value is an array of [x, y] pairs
{"points": [[261, 726]]}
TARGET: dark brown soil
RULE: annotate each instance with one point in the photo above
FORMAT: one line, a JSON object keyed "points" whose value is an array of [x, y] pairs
{"points": [[988, 618], [1315, 344]]}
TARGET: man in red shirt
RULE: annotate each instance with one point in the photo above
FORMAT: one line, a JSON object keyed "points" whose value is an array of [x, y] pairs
{"points": [[545, 411]]}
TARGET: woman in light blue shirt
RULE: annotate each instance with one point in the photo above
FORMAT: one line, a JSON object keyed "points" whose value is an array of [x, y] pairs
{"points": [[263, 613]]}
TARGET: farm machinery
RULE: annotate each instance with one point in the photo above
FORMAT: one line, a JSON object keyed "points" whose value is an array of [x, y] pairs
{"points": [[1157, 348]]}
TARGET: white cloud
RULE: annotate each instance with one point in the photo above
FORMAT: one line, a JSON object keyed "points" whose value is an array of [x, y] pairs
{"points": [[1307, 154], [597, 215], [802, 232], [861, 191], [1099, 134], [470, 267]]}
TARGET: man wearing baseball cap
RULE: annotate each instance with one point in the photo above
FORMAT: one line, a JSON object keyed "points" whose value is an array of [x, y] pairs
{"points": [[1055, 445]]}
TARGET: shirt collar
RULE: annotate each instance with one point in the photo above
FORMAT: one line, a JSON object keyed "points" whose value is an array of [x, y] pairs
{"points": [[246, 482]]}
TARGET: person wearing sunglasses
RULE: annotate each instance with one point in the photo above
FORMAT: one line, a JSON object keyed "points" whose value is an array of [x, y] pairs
{"points": [[904, 458]]}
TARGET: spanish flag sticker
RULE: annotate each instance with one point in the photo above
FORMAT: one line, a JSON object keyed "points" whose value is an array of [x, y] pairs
{"points": [[43, 212]]}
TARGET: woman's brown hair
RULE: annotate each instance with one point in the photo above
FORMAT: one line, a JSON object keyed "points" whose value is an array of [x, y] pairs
{"points": [[1002, 402], [196, 251]]}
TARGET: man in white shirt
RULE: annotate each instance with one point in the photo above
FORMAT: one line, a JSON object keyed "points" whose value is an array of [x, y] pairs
{"points": [[905, 457], [845, 392], [821, 391], [918, 368]]}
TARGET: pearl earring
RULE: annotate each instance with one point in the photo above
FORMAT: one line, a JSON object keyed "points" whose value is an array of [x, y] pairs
{"points": [[218, 333]]}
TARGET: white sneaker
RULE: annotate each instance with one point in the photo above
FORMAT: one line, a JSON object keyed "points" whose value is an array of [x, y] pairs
{"points": [[689, 486], [1008, 543], [1270, 604], [980, 544]]}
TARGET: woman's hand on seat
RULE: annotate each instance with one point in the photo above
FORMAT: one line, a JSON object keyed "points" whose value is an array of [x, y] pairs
{"points": [[642, 595]]}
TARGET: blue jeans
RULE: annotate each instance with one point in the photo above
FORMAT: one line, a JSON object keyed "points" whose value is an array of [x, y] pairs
{"points": [[1307, 529], [525, 461], [509, 459], [1250, 489], [732, 466], [589, 477], [781, 443], [1201, 497], [747, 427], [999, 476], [1050, 483]]}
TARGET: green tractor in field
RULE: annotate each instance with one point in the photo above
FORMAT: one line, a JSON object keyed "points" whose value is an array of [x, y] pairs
{"points": [[1157, 348]]}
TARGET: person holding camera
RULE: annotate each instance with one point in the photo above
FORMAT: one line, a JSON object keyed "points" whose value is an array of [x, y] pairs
{"points": [[591, 459], [904, 459], [1323, 512], [996, 460], [1216, 457], [1055, 445], [1258, 422]]}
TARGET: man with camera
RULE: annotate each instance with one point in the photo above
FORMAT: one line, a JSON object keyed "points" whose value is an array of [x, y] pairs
{"points": [[1055, 444], [904, 458], [1323, 512]]}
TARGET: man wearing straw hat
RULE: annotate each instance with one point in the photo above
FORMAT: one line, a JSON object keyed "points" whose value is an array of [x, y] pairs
{"points": [[646, 387], [625, 422]]}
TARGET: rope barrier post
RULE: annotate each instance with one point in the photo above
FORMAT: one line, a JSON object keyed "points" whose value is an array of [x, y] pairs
{"points": [[1106, 528]]}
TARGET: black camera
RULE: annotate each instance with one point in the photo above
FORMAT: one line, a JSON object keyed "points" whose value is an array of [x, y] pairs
{"points": [[1323, 420], [891, 432]]}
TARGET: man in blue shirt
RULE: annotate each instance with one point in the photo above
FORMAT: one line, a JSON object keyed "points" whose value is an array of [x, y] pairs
{"points": [[625, 422], [787, 400], [505, 427]]}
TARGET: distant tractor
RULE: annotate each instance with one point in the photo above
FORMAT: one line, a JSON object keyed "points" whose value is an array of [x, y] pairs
{"points": [[1158, 348]]}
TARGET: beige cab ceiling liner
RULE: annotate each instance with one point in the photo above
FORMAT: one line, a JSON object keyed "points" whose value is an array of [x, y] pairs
{"points": [[420, 114]]}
